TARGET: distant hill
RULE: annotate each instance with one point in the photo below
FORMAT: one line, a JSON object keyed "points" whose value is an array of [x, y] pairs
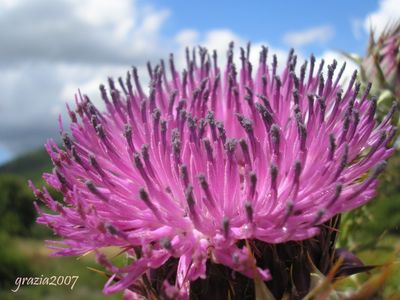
{"points": [[29, 166]]}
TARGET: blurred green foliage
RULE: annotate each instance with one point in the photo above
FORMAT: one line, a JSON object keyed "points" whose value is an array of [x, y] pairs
{"points": [[364, 226], [36, 256], [23, 252], [12, 263], [16, 205], [29, 166]]}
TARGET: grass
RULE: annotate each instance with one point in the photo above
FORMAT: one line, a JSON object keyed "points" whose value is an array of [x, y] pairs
{"points": [[88, 286]]}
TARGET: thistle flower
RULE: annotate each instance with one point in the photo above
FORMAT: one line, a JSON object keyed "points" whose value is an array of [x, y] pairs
{"points": [[381, 64], [229, 175]]}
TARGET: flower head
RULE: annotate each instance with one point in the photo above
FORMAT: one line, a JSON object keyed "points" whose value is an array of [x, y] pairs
{"points": [[381, 65], [210, 166]]}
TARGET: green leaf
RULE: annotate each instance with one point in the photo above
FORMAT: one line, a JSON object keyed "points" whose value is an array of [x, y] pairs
{"points": [[386, 97], [353, 57]]}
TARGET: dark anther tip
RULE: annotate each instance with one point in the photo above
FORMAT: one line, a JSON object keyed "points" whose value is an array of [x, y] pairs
{"points": [[230, 145], [253, 178], [143, 194]]}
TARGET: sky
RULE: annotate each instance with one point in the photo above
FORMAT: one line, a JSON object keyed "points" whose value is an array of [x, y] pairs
{"points": [[51, 48]]}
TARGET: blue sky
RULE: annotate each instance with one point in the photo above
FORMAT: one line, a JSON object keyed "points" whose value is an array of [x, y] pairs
{"points": [[271, 20], [50, 49]]}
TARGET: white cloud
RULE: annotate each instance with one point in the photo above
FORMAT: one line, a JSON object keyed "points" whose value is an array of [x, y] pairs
{"points": [[330, 55], [50, 49], [104, 12], [187, 37], [75, 31], [219, 39], [153, 20], [387, 13], [321, 35], [357, 28], [7, 4]]}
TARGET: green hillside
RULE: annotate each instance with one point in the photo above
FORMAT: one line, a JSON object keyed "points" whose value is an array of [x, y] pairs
{"points": [[26, 253], [29, 166]]}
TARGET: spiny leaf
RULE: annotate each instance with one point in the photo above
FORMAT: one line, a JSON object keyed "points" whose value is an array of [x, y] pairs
{"points": [[321, 285], [262, 292], [371, 286], [84, 254], [351, 263], [98, 272]]}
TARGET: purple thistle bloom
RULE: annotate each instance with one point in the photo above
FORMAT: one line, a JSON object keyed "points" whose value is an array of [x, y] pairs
{"points": [[382, 61], [211, 166]]}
